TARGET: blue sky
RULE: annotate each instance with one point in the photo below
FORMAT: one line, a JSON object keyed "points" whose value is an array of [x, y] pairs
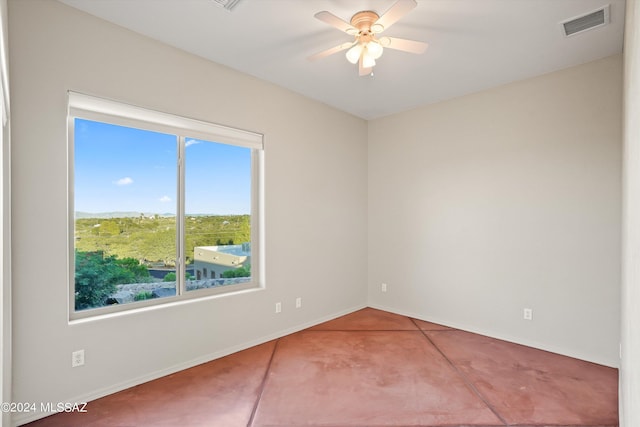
{"points": [[132, 170]]}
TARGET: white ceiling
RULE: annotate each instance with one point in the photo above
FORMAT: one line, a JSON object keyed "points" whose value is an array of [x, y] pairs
{"points": [[473, 44]]}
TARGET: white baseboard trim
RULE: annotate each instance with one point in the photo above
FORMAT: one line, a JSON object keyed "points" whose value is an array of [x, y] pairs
{"points": [[25, 418], [503, 337]]}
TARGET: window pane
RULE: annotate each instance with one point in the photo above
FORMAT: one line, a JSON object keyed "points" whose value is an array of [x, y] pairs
{"points": [[125, 184], [217, 214]]}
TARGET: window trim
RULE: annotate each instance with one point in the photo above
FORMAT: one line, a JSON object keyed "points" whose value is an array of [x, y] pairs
{"points": [[103, 110], [118, 113]]}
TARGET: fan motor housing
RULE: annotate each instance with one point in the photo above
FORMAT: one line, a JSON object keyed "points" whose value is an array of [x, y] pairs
{"points": [[363, 20]]}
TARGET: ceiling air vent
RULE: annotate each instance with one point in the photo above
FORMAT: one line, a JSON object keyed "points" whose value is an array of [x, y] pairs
{"points": [[227, 4], [586, 22]]}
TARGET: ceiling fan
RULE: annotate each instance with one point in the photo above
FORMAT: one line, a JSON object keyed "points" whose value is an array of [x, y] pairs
{"points": [[365, 27]]}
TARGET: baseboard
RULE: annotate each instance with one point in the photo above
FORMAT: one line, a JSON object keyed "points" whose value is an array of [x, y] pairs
{"points": [[25, 418], [503, 337]]}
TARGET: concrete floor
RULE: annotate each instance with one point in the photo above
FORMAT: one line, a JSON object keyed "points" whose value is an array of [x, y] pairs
{"points": [[369, 368]]}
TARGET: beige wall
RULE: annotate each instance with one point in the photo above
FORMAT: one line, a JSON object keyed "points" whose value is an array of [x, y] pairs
{"points": [[5, 276], [476, 208], [505, 199], [630, 322], [314, 166], [5, 230]]}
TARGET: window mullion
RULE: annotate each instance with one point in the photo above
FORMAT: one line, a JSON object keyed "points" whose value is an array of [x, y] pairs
{"points": [[180, 215]]}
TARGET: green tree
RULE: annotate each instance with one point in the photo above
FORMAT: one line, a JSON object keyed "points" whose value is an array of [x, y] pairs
{"points": [[244, 271], [143, 295], [139, 271], [171, 277], [96, 278]]}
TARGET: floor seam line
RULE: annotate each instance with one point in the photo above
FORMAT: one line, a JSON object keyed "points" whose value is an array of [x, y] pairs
{"points": [[466, 380], [262, 385], [380, 330]]}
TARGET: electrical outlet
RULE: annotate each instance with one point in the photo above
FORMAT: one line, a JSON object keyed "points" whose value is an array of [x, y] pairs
{"points": [[77, 358], [278, 307], [383, 287], [298, 302], [528, 314]]}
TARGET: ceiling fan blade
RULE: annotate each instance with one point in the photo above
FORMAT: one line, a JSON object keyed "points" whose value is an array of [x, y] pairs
{"points": [[330, 51], [334, 21], [395, 12], [404, 45], [362, 71]]}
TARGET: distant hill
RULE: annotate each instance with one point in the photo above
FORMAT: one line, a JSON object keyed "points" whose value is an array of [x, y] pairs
{"points": [[152, 239], [83, 215]]}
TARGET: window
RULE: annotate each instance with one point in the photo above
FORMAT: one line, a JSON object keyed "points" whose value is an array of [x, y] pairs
{"points": [[155, 198]]}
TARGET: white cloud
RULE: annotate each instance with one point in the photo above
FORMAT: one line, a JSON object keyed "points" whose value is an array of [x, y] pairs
{"points": [[165, 199], [190, 142], [124, 181]]}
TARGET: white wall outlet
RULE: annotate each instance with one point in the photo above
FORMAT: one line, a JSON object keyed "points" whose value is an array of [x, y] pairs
{"points": [[77, 358], [278, 307], [383, 287], [298, 302], [528, 314]]}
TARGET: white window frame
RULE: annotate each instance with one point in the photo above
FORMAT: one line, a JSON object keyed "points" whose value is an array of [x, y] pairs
{"points": [[103, 110]]}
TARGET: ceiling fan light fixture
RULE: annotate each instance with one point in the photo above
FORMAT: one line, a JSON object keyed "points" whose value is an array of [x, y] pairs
{"points": [[364, 27], [368, 61], [374, 49], [353, 54]]}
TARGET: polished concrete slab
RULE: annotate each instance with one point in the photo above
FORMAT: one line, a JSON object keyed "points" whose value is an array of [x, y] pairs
{"points": [[533, 387], [369, 368], [220, 393], [365, 378], [368, 319]]}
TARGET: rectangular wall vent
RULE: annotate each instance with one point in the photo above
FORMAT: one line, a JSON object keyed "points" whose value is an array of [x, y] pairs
{"points": [[586, 22], [227, 4]]}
